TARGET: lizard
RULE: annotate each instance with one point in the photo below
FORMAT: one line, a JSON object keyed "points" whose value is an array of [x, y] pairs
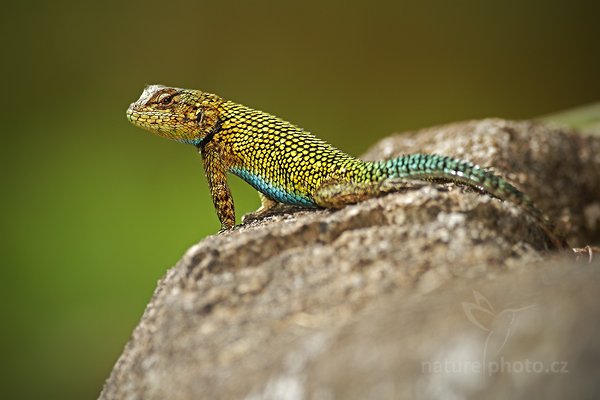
{"points": [[289, 165]]}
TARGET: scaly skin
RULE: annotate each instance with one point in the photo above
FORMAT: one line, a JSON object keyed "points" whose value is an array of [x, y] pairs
{"points": [[289, 165]]}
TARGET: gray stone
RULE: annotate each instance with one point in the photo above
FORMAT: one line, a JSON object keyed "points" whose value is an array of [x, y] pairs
{"points": [[438, 292]]}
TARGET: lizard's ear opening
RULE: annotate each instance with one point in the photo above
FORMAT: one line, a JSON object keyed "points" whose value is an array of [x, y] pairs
{"points": [[199, 116]]}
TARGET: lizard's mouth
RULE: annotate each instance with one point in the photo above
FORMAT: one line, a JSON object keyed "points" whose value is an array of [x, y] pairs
{"points": [[130, 114], [140, 119], [133, 114], [147, 120]]}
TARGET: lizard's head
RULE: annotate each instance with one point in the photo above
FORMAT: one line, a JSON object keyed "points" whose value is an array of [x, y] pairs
{"points": [[188, 116]]}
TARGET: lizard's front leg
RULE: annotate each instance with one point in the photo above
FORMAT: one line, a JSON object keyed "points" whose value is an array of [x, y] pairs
{"points": [[216, 174]]}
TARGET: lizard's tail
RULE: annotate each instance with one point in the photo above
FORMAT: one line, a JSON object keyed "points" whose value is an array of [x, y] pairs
{"points": [[437, 167]]}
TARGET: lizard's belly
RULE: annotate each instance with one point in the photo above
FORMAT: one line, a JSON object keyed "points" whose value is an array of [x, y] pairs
{"points": [[272, 191]]}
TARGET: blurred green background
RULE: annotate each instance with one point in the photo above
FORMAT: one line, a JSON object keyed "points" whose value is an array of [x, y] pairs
{"points": [[96, 210]]}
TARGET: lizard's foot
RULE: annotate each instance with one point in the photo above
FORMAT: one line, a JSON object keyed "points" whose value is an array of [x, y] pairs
{"points": [[226, 229], [589, 250], [263, 213], [268, 208]]}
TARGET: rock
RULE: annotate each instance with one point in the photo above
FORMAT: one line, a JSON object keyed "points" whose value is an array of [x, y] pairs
{"points": [[437, 292]]}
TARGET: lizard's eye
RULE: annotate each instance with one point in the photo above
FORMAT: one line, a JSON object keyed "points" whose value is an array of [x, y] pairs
{"points": [[165, 99]]}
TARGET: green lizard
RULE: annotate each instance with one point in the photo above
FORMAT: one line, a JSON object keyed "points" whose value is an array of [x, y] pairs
{"points": [[288, 165]]}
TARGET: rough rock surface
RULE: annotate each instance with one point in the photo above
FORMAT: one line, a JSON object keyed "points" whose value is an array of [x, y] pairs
{"points": [[436, 292]]}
